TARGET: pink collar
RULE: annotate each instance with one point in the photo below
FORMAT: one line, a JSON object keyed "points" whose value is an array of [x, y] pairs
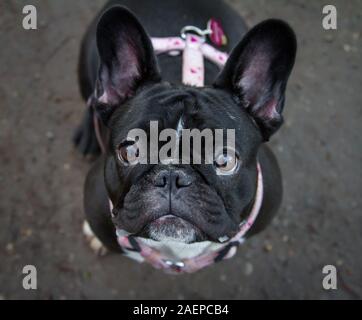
{"points": [[176, 257]]}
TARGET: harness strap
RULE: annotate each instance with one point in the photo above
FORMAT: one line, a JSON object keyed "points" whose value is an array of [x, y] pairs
{"points": [[194, 50]]}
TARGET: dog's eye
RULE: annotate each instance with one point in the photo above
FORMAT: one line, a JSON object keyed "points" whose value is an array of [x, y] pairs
{"points": [[128, 153], [226, 163]]}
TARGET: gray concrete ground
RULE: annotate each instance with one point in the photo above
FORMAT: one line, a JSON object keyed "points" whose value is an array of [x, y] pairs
{"points": [[41, 176]]}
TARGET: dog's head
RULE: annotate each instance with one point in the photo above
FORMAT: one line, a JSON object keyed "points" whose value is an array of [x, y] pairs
{"points": [[187, 202]]}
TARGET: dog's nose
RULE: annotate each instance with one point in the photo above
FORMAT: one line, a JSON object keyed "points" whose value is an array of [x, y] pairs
{"points": [[173, 179]]}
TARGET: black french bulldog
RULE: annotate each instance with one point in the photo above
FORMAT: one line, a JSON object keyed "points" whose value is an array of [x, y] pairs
{"points": [[117, 59]]}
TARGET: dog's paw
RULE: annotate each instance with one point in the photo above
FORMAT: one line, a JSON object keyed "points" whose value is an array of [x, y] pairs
{"points": [[85, 138], [95, 244]]}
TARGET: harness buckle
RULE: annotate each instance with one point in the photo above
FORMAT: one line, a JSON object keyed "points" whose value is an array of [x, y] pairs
{"points": [[192, 29]]}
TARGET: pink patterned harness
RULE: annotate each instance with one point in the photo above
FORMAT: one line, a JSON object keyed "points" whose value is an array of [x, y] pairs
{"points": [[194, 50], [171, 257]]}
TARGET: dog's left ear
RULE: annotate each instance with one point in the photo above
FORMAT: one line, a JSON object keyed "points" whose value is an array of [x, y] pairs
{"points": [[127, 59], [257, 72]]}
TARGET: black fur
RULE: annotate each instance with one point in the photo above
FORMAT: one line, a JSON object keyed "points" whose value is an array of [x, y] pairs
{"points": [[130, 91]]}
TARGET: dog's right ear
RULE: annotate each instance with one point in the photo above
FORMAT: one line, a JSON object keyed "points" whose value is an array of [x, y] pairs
{"points": [[127, 59]]}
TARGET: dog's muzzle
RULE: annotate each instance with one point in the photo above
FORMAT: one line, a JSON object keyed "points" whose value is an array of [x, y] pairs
{"points": [[177, 257]]}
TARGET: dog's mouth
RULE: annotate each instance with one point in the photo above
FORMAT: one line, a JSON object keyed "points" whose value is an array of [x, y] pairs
{"points": [[172, 228]]}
